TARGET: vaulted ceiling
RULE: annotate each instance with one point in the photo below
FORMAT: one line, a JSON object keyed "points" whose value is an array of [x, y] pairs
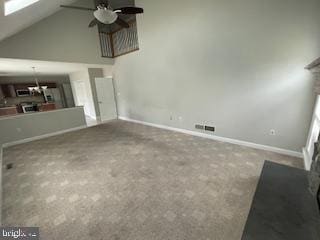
{"points": [[24, 18], [13, 23]]}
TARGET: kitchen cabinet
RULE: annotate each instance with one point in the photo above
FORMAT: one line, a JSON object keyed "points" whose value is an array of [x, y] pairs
{"points": [[47, 107], [10, 90], [8, 111]]}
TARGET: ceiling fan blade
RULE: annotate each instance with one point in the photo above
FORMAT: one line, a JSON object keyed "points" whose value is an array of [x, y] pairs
{"points": [[122, 23], [93, 23], [130, 10], [78, 8]]}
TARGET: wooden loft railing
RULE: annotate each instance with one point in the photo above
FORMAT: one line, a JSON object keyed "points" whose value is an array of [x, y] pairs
{"points": [[119, 42], [314, 64]]}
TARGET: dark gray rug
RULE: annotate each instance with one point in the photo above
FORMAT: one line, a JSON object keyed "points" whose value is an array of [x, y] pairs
{"points": [[282, 208]]}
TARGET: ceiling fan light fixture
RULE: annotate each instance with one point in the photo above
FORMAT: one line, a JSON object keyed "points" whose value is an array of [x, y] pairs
{"points": [[105, 15]]}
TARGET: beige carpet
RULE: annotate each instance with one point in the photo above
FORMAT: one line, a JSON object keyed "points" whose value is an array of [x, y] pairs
{"points": [[125, 181]]}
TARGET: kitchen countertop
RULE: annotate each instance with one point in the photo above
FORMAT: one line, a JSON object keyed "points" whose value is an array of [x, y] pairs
{"points": [[7, 111], [6, 107]]}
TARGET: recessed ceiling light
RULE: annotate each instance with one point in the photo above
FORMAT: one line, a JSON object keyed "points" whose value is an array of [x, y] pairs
{"points": [[12, 6]]}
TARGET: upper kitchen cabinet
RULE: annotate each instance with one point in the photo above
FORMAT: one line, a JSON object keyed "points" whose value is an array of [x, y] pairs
{"points": [[20, 90]]}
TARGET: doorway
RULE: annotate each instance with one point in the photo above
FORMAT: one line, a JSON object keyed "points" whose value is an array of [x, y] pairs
{"points": [[106, 99]]}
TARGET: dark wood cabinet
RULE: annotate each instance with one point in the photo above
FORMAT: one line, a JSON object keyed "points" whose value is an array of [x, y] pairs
{"points": [[8, 111], [47, 107], [9, 90]]}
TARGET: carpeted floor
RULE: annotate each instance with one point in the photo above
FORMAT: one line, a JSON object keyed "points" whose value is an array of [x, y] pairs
{"points": [[125, 181]]}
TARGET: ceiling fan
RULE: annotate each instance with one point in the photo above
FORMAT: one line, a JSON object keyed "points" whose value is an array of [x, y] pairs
{"points": [[105, 14]]}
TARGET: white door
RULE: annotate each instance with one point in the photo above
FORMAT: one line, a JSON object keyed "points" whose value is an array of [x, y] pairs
{"points": [[106, 100]]}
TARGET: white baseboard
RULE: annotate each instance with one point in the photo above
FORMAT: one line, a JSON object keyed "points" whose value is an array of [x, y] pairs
{"points": [[42, 136], [217, 138], [90, 116], [306, 159]]}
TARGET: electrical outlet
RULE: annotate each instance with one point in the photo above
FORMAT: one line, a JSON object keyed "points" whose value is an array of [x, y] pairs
{"points": [[18, 129], [272, 132], [180, 118]]}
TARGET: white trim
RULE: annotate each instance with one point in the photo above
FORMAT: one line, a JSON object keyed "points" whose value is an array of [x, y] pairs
{"points": [[101, 122], [42, 136], [217, 138], [306, 159], [107, 121], [93, 117]]}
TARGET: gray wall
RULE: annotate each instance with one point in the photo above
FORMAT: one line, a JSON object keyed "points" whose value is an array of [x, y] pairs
{"points": [[237, 65], [23, 126], [63, 36]]}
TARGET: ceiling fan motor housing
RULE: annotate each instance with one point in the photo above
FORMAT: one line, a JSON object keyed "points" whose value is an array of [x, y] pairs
{"points": [[105, 15]]}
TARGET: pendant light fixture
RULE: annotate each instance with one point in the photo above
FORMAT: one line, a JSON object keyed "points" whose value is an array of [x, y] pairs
{"points": [[37, 88]]}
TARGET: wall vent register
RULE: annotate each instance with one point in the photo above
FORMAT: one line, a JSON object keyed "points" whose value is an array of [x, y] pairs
{"points": [[204, 127]]}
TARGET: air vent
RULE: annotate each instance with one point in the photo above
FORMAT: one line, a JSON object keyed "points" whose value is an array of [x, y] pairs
{"points": [[209, 128], [198, 126]]}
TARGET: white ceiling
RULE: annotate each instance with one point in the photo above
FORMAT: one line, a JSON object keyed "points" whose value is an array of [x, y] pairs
{"points": [[19, 67], [24, 18]]}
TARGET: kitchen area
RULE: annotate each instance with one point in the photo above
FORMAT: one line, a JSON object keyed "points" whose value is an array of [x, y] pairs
{"points": [[25, 94]]}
